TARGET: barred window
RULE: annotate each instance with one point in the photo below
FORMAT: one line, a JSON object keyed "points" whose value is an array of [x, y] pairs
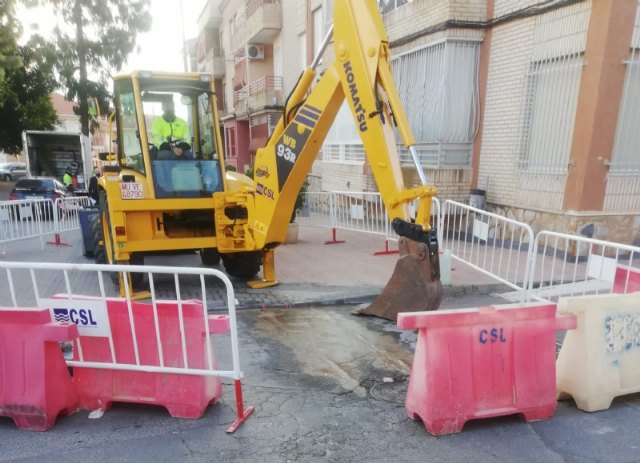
{"points": [[438, 88], [549, 114], [623, 188], [626, 151]]}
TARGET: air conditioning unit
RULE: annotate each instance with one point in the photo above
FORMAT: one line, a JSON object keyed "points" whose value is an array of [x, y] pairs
{"points": [[255, 52]]}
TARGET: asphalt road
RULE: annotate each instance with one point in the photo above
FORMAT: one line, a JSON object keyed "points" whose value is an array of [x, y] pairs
{"points": [[319, 379], [326, 386]]}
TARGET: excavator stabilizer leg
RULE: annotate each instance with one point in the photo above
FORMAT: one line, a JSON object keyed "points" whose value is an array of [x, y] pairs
{"points": [[414, 286]]}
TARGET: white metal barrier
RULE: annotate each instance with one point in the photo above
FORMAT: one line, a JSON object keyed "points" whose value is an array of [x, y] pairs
{"points": [[494, 245], [38, 218], [25, 219], [29, 285], [68, 212], [571, 265], [316, 210], [548, 265], [363, 212]]}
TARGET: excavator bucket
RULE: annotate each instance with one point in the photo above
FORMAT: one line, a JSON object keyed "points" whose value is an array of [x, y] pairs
{"points": [[414, 286]]}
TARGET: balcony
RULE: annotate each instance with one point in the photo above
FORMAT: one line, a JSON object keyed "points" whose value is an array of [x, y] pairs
{"points": [[260, 22], [212, 64], [259, 94], [210, 16]]}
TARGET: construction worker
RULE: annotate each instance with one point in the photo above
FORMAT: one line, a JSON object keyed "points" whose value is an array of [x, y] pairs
{"points": [[93, 185], [170, 134], [67, 179]]}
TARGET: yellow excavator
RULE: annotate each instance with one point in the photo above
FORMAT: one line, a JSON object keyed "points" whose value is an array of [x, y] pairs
{"points": [[175, 194]]}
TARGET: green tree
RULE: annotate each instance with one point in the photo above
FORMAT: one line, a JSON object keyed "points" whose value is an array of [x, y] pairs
{"points": [[102, 35], [25, 95], [9, 30]]}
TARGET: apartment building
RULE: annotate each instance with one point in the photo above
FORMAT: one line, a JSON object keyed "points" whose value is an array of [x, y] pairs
{"points": [[558, 146], [536, 103]]}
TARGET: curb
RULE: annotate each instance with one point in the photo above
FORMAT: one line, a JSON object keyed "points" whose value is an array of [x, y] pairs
{"points": [[346, 296], [483, 289]]}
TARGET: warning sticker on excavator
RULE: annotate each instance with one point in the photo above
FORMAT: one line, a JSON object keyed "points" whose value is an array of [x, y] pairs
{"points": [[131, 190], [260, 227]]}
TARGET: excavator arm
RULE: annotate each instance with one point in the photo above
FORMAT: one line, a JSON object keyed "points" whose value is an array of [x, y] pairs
{"points": [[360, 73]]}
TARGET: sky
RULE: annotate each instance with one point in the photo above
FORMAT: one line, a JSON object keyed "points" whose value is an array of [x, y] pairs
{"points": [[160, 48]]}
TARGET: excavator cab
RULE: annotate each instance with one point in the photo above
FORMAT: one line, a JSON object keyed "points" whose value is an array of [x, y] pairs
{"points": [[181, 152], [169, 190]]}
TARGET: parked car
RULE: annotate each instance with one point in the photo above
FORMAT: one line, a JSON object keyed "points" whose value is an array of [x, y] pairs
{"points": [[12, 171], [37, 189]]}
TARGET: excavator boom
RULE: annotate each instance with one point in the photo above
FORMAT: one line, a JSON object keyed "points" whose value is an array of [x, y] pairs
{"points": [[360, 74], [176, 194]]}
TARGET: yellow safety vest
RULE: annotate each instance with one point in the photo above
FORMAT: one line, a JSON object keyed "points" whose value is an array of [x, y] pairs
{"points": [[176, 130]]}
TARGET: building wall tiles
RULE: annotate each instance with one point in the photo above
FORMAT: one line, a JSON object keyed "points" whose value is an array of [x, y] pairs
{"points": [[508, 64]]}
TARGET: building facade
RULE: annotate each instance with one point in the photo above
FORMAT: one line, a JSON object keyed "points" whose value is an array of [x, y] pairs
{"points": [[535, 103], [558, 147], [68, 120]]}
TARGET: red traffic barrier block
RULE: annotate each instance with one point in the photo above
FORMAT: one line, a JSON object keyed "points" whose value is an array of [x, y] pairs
{"points": [[183, 395], [481, 363], [35, 385], [626, 280]]}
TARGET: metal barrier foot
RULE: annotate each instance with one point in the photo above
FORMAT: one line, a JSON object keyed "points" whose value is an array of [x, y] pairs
{"points": [[334, 240], [242, 414], [241, 419], [386, 251], [58, 241]]}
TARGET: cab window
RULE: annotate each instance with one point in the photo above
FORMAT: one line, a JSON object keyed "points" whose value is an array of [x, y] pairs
{"points": [[189, 125], [129, 146], [168, 116], [206, 127]]}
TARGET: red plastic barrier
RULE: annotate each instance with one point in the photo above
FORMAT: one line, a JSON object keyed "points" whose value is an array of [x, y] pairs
{"points": [[480, 363], [620, 283], [184, 396], [35, 385]]}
